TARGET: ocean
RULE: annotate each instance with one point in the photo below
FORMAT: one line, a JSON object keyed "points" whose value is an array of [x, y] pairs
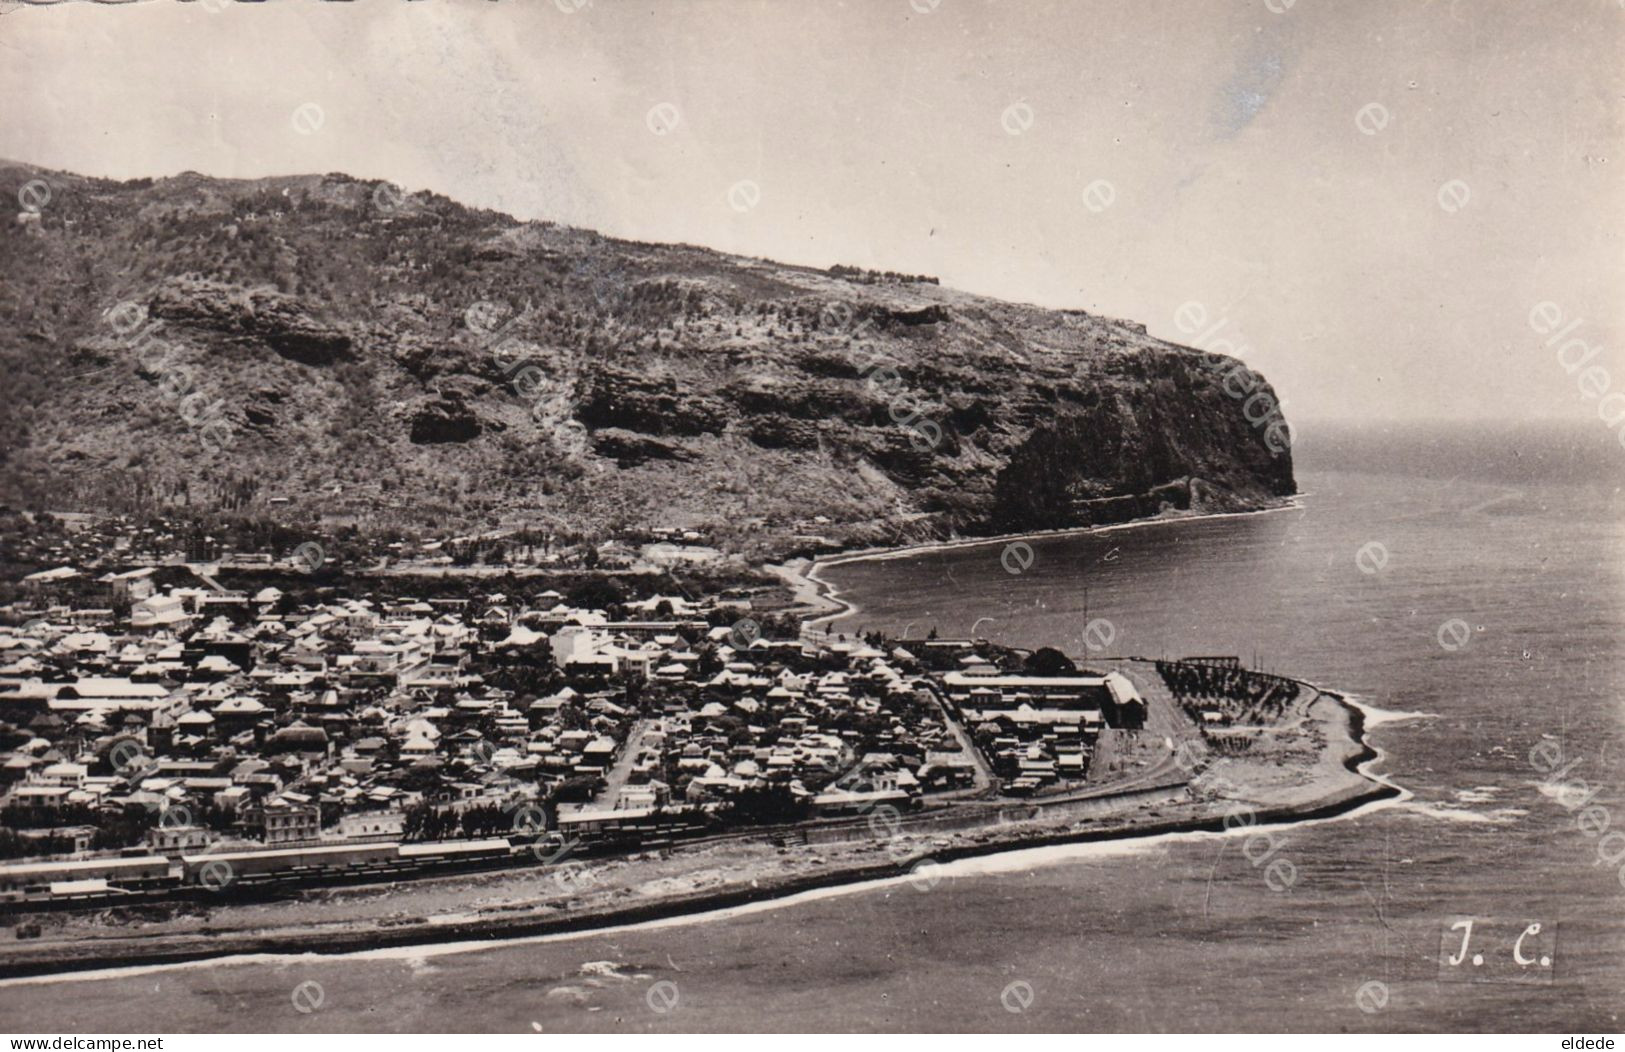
{"points": [[1461, 582]]}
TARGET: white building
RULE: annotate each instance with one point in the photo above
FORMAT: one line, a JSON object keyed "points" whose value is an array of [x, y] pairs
{"points": [[160, 611], [578, 645]]}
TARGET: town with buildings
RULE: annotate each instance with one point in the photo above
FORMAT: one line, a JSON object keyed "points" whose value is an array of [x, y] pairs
{"points": [[171, 726]]}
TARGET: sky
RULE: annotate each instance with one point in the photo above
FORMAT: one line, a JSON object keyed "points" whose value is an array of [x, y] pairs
{"points": [[1366, 198]]}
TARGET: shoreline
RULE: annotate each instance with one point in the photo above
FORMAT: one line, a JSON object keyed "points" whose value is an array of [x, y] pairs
{"points": [[1324, 792], [696, 906], [91, 959], [822, 599]]}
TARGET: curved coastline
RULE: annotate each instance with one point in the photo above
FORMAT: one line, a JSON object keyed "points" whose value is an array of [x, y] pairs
{"points": [[699, 906], [92, 959], [823, 599]]}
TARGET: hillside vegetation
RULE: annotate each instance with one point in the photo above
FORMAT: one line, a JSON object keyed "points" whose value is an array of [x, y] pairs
{"points": [[321, 348]]}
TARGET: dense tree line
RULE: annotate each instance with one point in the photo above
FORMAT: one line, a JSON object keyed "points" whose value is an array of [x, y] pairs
{"points": [[428, 822], [768, 805], [865, 276]]}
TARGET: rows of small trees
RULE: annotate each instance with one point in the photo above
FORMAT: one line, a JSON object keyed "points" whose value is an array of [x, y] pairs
{"points": [[865, 276], [1240, 695], [1231, 744]]}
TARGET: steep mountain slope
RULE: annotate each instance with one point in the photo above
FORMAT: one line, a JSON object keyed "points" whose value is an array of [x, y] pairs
{"points": [[319, 345]]}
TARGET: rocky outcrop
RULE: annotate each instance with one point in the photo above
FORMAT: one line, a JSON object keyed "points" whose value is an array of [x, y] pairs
{"points": [[444, 420], [630, 449], [624, 398], [278, 320]]}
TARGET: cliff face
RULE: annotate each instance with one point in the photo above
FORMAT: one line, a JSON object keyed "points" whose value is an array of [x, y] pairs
{"points": [[407, 360]]}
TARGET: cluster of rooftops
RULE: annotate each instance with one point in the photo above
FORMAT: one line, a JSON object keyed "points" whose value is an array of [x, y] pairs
{"points": [[219, 718]]}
